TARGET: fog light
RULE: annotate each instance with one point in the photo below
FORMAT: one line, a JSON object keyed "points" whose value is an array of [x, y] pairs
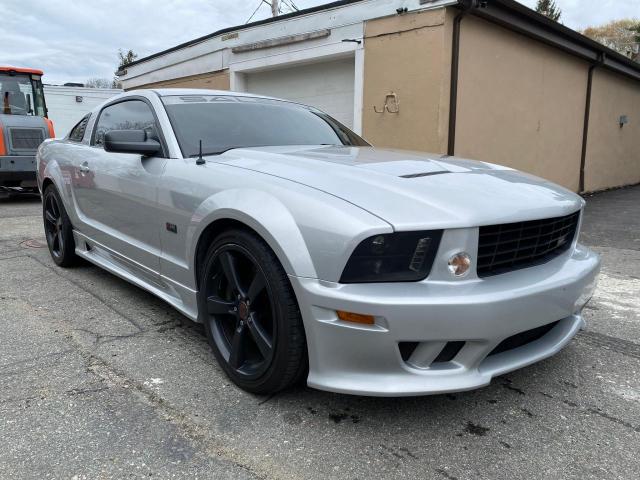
{"points": [[459, 264], [356, 317]]}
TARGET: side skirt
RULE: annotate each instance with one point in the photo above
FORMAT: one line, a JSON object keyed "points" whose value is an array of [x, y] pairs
{"points": [[178, 296]]}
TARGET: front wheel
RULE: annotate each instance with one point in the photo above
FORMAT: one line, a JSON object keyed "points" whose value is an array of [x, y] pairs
{"points": [[58, 229], [251, 316]]}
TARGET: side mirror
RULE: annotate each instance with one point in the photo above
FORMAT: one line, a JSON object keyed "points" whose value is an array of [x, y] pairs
{"points": [[130, 141]]}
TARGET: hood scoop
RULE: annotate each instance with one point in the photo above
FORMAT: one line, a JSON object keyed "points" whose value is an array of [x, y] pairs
{"points": [[424, 174], [405, 168]]}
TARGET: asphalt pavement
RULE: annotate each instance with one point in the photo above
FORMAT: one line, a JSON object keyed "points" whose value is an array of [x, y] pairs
{"points": [[100, 379]]}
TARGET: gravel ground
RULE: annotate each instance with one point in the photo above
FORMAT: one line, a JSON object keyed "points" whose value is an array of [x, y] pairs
{"points": [[101, 380]]}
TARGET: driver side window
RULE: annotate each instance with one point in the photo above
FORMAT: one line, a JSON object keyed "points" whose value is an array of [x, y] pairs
{"points": [[127, 115]]}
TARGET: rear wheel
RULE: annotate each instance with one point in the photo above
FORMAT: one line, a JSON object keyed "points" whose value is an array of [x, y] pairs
{"points": [[58, 229], [250, 314]]}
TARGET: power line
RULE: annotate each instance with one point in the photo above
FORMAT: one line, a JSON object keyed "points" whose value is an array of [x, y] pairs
{"points": [[291, 6], [254, 12]]}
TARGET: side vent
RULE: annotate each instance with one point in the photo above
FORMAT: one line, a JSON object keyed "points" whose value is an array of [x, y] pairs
{"points": [[449, 352], [407, 349], [429, 354]]}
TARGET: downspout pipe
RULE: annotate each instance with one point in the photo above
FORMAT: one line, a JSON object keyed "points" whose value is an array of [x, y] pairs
{"points": [[465, 6], [587, 112]]}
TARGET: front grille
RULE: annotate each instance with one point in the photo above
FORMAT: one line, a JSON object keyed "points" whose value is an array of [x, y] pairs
{"points": [[512, 246], [26, 138]]}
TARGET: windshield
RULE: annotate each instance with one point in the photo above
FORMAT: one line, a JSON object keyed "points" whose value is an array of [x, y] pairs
{"points": [[21, 94], [224, 122]]}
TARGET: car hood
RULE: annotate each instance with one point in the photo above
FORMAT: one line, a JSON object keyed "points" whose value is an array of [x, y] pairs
{"points": [[412, 190]]}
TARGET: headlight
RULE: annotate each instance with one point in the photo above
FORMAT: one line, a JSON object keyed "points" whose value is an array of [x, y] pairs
{"points": [[393, 257]]}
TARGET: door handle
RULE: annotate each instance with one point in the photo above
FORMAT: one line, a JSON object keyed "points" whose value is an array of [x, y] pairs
{"points": [[84, 168]]}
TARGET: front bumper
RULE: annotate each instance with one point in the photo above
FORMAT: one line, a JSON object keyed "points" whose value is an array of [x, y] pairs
{"points": [[18, 171], [366, 359]]}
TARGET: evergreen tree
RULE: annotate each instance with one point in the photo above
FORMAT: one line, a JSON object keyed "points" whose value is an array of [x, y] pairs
{"points": [[549, 9]]}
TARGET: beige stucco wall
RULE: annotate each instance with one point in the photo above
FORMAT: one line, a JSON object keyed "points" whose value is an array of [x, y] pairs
{"points": [[613, 153], [409, 55], [214, 81], [520, 103]]}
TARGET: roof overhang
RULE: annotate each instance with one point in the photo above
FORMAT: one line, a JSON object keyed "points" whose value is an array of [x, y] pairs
{"points": [[516, 17], [271, 32]]}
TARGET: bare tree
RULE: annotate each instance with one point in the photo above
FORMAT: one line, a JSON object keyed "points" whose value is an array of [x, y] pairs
{"points": [[125, 58], [620, 35], [98, 83]]}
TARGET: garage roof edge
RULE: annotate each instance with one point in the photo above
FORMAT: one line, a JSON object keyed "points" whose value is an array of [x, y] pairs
{"points": [[237, 28], [519, 18]]}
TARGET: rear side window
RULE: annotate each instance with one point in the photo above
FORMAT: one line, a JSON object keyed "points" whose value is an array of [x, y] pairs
{"points": [[77, 132], [127, 115]]}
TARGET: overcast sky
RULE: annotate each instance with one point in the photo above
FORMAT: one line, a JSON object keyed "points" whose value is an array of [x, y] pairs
{"points": [[74, 40]]}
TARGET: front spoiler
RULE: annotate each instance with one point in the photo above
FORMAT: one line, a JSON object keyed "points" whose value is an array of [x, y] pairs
{"points": [[366, 360]]}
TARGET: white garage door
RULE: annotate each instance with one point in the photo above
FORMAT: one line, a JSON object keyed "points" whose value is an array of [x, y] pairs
{"points": [[327, 86]]}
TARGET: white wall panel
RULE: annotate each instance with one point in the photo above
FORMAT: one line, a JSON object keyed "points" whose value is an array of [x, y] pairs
{"points": [[328, 86]]}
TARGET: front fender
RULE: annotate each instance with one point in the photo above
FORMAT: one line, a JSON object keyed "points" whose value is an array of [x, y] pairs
{"points": [[265, 214]]}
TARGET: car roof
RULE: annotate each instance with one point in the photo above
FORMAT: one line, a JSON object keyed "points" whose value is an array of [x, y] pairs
{"points": [[165, 92]]}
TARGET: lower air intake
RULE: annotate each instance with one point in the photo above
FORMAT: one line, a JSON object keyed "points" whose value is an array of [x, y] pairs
{"points": [[523, 338]]}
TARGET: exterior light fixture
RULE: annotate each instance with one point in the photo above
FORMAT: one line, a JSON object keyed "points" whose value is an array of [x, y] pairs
{"points": [[356, 317], [459, 264]]}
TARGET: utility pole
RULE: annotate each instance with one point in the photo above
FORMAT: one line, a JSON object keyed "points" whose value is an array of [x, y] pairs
{"points": [[274, 8]]}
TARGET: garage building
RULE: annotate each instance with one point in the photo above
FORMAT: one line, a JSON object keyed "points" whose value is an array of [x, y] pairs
{"points": [[490, 80], [67, 105]]}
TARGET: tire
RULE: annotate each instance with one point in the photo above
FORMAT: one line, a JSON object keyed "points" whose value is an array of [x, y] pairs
{"points": [[58, 229], [250, 314]]}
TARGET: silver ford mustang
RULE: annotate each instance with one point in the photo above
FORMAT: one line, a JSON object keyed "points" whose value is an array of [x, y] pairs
{"points": [[306, 252]]}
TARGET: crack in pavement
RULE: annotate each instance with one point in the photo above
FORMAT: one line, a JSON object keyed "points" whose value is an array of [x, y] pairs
{"points": [[101, 338], [613, 419], [15, 256], [111, 376], [36, 358], [85, 391], [598, 411], [573, 405], [615, 344], [20, 399], [86, 290]]}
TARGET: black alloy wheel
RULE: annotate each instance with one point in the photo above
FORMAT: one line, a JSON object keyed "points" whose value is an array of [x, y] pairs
{"points": [[53, 226], [251, 315], [57, 228], [241, 312]]}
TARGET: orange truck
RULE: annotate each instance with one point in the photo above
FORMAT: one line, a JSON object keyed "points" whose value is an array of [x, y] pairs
{"points": [[23, 126]]}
